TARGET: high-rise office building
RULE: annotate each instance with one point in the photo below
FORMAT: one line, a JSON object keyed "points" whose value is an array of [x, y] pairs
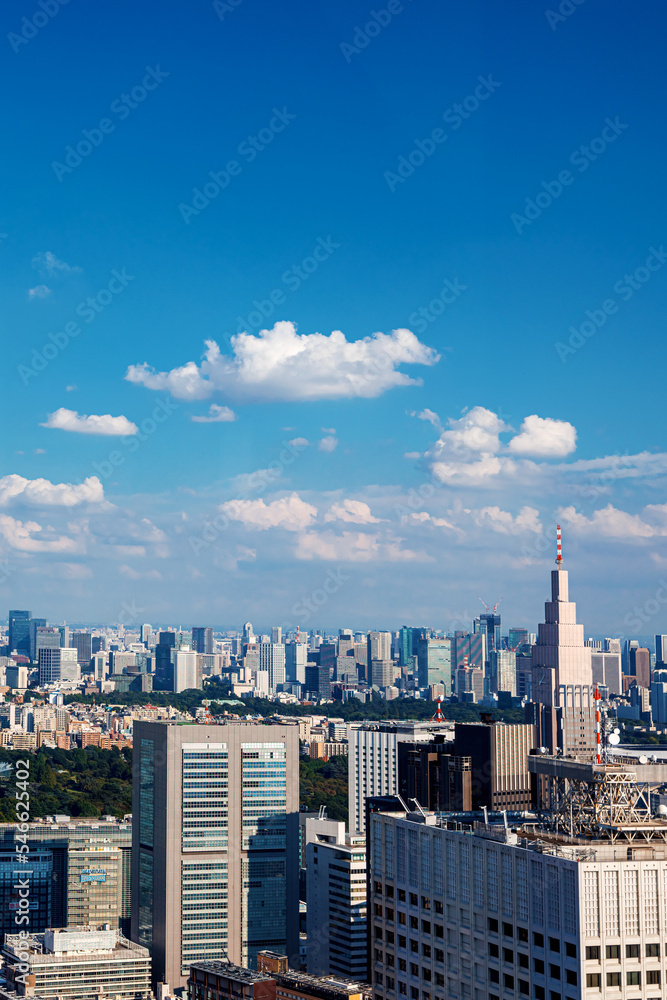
{"points": [[296, 655], [640, 666], [215, 843], [19, 632], [45, 638], [517, 636], [35, 623], [83, 643], [660, 650], [468, 649], [164, 661], [382, 673], [562, 673], [606, 671], [490, 626], [405, 647], [272, 660], [336, 901], [277, 633], [373, 761], [59, 664], [318, 681], [434, 663], [202, 640], [187, 670], [502, 671]]}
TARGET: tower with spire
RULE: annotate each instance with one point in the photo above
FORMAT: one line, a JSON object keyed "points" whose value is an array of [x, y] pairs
{"points": [[562, 673]]}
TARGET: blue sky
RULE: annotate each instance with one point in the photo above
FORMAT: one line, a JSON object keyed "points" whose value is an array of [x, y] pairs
{"points": [[336, 107]]}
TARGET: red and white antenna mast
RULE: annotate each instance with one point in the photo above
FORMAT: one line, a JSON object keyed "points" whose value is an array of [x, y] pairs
{"points": [[597, 724], [559, 549]]}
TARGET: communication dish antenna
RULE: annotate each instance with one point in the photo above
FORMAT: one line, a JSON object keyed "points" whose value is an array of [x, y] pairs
{"points": [[614, 739], [617, 732], [643, 759]]}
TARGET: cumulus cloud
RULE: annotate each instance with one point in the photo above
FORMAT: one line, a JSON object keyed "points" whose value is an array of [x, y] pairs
{"points": [[135, 574], [299, 442], [544, 437], [429, 416], [610, 522], [502, 521], [354, 546], [354, 511], [42, 493], [328, 443], [290, 512], [48, 263], [216, 415], [20, 535], [282, 365], [39, 292], [70, 420]]}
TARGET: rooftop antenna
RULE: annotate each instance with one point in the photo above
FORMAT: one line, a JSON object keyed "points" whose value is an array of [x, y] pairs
{"points": [[597, 723], [559, 550]]}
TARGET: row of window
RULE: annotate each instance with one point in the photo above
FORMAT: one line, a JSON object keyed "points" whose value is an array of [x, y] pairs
{"points": [[613, 951], [594, 979]]}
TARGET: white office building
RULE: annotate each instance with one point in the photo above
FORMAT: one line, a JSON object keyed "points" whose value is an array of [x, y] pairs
{"points": [[336, 900], [373, 764]]}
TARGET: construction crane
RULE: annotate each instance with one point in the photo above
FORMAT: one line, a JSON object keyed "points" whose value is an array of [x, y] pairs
{"points": [[495, 606]]}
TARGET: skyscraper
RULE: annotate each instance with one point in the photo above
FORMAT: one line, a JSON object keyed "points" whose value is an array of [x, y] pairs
{"points": [[562, 672], [214, 843], [434, 663], [202, 640], [164, 664], [35, 623], [83, 643], [660, 650], [19, 632]]}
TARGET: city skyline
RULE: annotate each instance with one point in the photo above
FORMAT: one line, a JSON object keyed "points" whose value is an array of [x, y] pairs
{"points": [[175, 288]]}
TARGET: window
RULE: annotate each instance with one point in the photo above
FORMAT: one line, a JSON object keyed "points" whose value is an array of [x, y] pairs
{"points": [[522, 934], [414, 946], [426, 974], [538, 992], [523, 961], [632, 951], [414, 969], [438, 907], [554, 944], [613, 951], [524, 987], [553, 995], [401, 896], [390, 937], [389, 983], [402, 965], [494, 976], [493, 925], [554, 971], [390, 958], [653, 951], [378, 885], [439, 955], [593, 980], [378, 955], [508, 956], [414, 923], [378, 978], [508, 982], [613, 979], [414, 900], [538, 939], [439, 930], [593, 953], [439, 979], [494, 951], [508, 930], [538, 965], [414, 993], [633, 978], [402, 988], [426, 903], [571, 950], [401, 918], [378, 932], [389, 913], [570, 977], [401, 941], [389, 891], [426, 926], [378, 910], [426, 950], [653, 977]]}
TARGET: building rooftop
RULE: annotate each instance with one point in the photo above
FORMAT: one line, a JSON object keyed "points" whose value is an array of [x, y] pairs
{"points": [[237, 973]]}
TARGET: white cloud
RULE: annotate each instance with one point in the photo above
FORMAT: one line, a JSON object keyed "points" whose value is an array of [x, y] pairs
{"points": [[328, 443], [299, 442], [70, 388], [502, 521], [544, 437], [48, 263], [328, 430], [430, 417], [42, 493], [610, 523], [354, 546], [290, 512], [281, 365], [354, 511], [422, 517], [39, 292], [20, 535], [216, 414], [135, 574], [70, 420]]}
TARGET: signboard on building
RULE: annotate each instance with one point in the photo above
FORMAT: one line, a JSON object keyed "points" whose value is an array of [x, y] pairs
{"points": [[93, 875]]}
